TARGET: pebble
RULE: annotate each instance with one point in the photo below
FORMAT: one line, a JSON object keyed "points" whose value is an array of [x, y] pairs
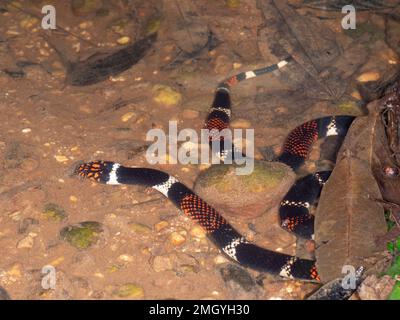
{"points": [[198, 232], [162, 263], [179, 262], [176, 239], [126, 258], [26, 130], [123, 40], [139, 227], [190, 114], [57, 261], [232, 4], [28, 22], [86, 24], [369, 76], [27, 242], [356, 95], [161, 225], [82, 235], [127, 116], [220, 259], [130, 290], [53, 211], [166, 96], [73, 199], [61, 158]]}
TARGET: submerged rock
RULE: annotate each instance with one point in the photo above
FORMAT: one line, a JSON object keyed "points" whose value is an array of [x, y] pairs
{"points": [[53, 211], [245, 195], [82, 235], [165, 95]]}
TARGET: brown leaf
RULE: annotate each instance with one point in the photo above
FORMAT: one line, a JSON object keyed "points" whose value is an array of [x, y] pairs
{"points": [[348, 218]]}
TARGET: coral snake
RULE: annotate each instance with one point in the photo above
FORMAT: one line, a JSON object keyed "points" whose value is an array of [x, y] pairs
{"points": [[295, 206]]}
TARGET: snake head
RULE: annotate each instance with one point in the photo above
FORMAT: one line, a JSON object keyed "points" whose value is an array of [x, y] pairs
{"points": [[96, 170]]}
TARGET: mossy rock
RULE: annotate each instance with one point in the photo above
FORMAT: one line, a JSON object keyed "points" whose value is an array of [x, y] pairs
{"points": [[53, 211], [82, 235], [245, 195]]}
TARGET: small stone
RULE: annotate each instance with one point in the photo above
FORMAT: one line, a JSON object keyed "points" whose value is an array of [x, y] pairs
{"points": [[162, 263], [356, 95], [73, 199], [28, 22], [82, 235], [27, 242], [198, 232], [236, 65], [161, 225], [240, 124], [130, 290], [26, 130], [369, 76], [15, 270], [57, 261], [166, 96], [153, 25], [127, 116], [85, 24], [125, 258], [139, 227], [123, 40], [179, 262], [220, 259], [176, 239], [232, 4], [61, 158], [190, 114], [53, 211]]}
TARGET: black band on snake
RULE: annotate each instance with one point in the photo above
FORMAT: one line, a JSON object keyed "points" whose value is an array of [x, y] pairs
{"points": [[294, 209]]}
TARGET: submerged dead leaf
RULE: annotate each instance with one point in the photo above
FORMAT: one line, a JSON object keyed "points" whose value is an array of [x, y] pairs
{"points": [[349, 218]]}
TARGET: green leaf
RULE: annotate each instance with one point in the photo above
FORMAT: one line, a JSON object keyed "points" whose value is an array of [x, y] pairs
{"points": [[394, 269], [390, 247], [398, 244], [395, 294]]}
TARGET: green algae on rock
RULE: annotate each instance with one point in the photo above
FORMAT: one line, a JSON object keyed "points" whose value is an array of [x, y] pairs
{"points": [[53, 211], [82, 235], [245, 195]]}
